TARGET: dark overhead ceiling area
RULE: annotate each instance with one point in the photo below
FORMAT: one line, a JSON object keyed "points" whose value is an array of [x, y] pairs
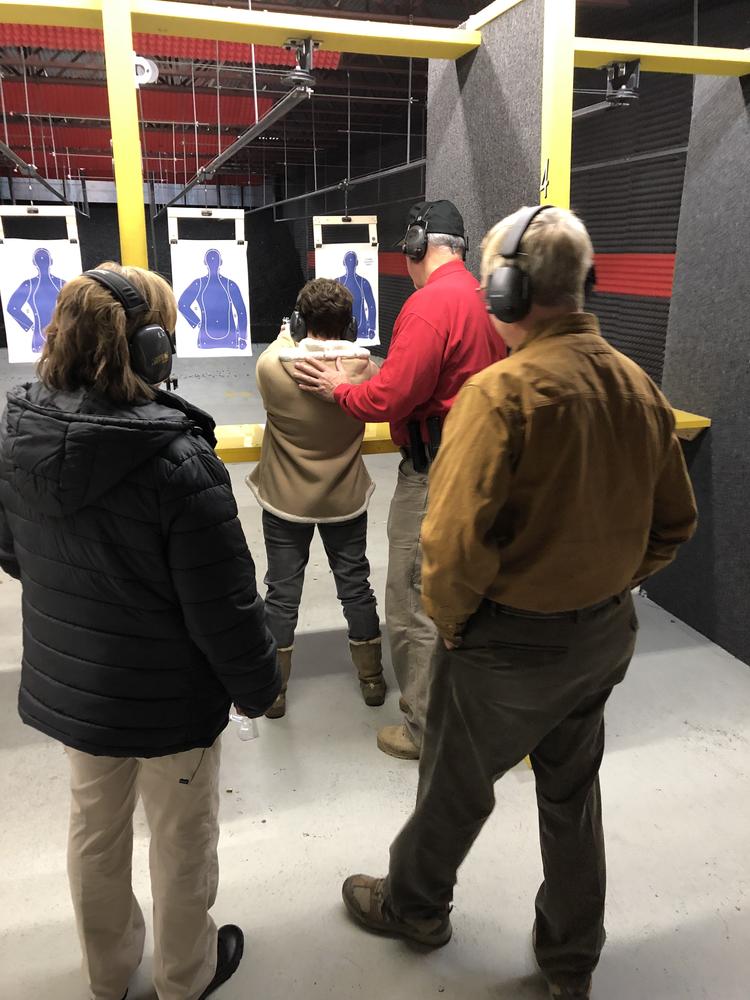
{"points": [[364, 107]]}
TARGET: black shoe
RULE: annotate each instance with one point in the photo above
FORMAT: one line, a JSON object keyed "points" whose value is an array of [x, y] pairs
{"points": [[229, 950]]}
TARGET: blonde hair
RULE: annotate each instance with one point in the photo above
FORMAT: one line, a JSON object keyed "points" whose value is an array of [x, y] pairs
{"points": [[87, 338], [556, 252]]}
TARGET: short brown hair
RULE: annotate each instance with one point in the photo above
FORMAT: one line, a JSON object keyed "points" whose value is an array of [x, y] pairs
{"points": [[87, 338], [326, 307]]}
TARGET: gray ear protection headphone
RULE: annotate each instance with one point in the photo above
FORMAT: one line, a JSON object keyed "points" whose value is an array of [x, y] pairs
{"points": [[151, 346], [298, 327], [415, 238], [509, 292]]}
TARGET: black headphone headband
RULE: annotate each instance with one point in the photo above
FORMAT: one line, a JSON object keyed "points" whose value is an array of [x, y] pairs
{"points": [[126, 293], [151, 347], [511, 245]]}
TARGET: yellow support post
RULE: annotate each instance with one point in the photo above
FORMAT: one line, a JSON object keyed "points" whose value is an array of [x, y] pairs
{"points": [[557, 102], [126, 139]]}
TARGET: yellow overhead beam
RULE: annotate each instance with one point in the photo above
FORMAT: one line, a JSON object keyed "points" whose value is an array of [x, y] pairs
{"points": [[61, 14], [490, 13], [557, 102], [226, 24], [593, 53]]}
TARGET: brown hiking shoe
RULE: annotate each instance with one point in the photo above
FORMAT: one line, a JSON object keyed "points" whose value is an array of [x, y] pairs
{"points": [[396, 741], [365, 898], [368, 659], [284, 660]]}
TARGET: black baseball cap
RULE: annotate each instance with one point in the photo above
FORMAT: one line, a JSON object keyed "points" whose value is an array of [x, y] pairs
{"points": [[439, 216]]}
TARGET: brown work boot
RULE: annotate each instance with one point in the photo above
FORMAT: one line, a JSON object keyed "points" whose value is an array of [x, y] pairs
{"points": [[284, 660], [368, 659], [366, 899], [396, 741]]}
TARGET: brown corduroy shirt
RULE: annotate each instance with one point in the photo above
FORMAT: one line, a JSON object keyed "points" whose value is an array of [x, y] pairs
{"points": [[560, 481]]}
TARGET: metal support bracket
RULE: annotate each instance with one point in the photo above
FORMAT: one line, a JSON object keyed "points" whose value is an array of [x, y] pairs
{"points": [[208, 214], [371, 221], [67, 212]]}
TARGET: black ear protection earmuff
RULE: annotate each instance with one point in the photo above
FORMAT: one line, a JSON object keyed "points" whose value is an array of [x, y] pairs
{"points": [[415, 238], [509, 292], [298, 327], [151, 347]]}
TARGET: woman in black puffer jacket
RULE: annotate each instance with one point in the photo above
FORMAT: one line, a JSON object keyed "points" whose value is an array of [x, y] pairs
{"points": [[141, 625]]}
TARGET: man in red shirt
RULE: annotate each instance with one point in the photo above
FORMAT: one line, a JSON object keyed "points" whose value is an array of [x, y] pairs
{"points": [[442, 336]]}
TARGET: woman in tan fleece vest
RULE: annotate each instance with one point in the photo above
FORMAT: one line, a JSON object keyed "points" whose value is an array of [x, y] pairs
{"points": [[311, 473]]}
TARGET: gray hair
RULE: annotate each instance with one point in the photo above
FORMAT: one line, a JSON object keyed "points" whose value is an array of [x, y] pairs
{"points": [[456, 244]]}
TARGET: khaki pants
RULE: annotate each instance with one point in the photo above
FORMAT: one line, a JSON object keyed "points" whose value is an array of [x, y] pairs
{"points": [[411, 633], [520, 684], [181, 798]]}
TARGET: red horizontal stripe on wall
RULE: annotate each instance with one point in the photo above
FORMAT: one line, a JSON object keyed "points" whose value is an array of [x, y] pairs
{"points": [[393, 265], [647, 274]]}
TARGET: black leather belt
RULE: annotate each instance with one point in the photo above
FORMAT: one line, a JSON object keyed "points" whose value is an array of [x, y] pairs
{"points": [[564, 616]]}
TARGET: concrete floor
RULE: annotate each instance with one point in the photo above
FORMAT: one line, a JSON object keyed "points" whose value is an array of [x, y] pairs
{"points": [[313, 800]]}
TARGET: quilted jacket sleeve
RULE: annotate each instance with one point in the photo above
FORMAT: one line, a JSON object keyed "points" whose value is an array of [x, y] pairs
{"points": [[214, 576], [8, 561]]}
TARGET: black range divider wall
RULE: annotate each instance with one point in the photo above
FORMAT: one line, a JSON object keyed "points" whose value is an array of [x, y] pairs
{"points": [[707, 367], [484, 123], [633, 206]]}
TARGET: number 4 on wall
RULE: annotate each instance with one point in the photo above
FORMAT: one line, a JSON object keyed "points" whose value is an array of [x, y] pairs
{"points": [[544, 186]]}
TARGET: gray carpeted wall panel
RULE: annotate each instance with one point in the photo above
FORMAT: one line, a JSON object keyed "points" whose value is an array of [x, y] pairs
{"points": [[484, 123], [707, 367]]}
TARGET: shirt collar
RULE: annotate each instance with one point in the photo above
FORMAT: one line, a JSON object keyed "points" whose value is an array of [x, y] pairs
{"points": [[445, 269], [579, 322]]}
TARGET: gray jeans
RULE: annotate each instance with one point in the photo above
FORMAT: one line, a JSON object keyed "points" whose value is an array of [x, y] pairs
{"points": [[288, 551], [521, 684], [411, 634]]}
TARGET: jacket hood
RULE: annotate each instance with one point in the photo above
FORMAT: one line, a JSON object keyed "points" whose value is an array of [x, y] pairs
{"points": [[63, 450]]}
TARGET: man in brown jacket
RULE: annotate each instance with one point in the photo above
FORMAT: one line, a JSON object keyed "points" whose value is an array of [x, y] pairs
{"points": [[311, 473], [560, 485]]}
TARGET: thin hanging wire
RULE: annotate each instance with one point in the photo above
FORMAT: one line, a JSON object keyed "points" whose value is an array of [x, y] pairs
{"points": [[255, 79], [144, 150], [32, 154], [315, 145], [408, 119], [195, 115], [5, 116], [218, 99], [286, 172], [696, 35], [349, 127], [54, 150], [44, 150]]}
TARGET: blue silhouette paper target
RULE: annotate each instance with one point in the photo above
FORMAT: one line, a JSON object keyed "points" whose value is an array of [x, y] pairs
{"points": [[354, 265], [31, 275], [210, 281]]}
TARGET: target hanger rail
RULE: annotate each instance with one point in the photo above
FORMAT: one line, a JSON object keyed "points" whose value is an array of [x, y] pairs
{"points": [[347, 182]]}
